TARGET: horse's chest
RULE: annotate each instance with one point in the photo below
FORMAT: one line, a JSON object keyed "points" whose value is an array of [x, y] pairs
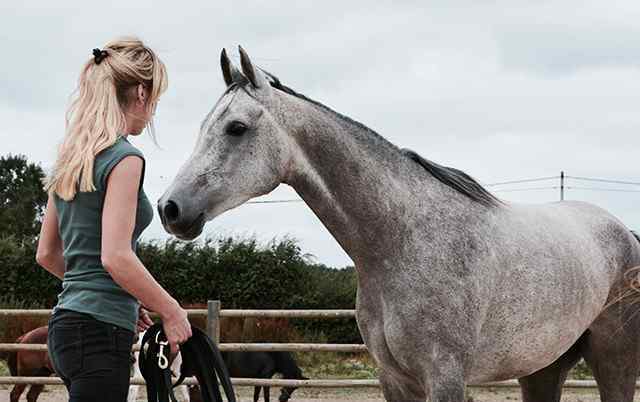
{"points": [[401, 325]]}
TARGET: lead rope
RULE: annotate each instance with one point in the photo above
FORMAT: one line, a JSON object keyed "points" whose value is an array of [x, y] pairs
{"points": [[200, 358]]}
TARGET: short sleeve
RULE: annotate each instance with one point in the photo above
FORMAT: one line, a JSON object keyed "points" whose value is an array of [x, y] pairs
{"points": [[115, 156]]}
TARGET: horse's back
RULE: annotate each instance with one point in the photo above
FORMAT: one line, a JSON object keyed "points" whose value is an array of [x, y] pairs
{"points": [[608, 230], [28, 361], [35, 336], [249, 364], [585, 228]]}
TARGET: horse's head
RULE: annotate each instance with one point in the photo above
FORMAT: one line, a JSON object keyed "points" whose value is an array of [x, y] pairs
{"points": [[242, 152], [286, 392]]}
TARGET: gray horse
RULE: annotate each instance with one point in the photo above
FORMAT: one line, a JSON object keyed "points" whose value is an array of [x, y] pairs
{"points": [[455, 287]]}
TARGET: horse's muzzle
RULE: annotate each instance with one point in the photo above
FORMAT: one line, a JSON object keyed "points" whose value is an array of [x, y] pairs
{"points": [[177, 223]]}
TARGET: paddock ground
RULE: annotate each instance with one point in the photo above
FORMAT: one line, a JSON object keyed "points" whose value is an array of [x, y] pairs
{"points": [[58, 394]]}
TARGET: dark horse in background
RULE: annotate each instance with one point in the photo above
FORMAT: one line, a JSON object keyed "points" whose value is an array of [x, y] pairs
{"points": [[264, 365], [27, 363]]}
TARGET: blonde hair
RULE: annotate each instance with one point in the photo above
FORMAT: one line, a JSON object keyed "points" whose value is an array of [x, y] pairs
{"points": [[96, 117]]}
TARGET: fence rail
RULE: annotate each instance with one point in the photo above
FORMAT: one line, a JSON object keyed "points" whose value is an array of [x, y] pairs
{"points": [[231, 347], [213, 312], [246, 382], [317, 314]]}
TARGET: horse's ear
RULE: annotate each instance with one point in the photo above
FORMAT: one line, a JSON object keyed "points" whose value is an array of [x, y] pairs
{"points": [[254, 75], [230, 72]]}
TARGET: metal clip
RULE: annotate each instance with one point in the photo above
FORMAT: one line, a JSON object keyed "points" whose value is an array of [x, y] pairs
{"points": [[163, 361]]}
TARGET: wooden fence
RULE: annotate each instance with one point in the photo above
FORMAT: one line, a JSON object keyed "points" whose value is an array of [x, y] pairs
{"points": [[214, 313]]}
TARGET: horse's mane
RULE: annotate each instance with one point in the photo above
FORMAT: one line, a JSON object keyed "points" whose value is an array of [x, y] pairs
{"points": [[454, 178]]}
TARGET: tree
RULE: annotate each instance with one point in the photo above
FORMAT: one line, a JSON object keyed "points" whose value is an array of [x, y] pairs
{"points": [[22, 197]]}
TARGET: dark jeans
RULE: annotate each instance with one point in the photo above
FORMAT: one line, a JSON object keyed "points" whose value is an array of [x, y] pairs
{"points": [[93, 358]]}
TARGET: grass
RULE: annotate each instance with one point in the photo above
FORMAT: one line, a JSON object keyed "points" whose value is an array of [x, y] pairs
{"points": [[331, 365], [326, 365], [581, 372]]}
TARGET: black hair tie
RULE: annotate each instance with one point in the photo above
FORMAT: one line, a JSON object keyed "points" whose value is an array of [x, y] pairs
{"points": [[99, 55]]}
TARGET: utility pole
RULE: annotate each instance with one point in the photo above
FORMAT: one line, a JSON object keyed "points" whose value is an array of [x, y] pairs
{"points": [[562, 185]]}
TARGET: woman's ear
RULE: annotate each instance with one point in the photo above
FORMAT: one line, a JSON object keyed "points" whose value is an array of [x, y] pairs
{"points": [[142, 94]]}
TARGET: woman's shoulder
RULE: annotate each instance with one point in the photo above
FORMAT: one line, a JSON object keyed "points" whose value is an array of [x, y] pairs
{"points": [[107, 159]]}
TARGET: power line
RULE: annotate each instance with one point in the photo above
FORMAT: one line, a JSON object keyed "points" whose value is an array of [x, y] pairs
{"points": [[509, 190], [523, 181], [619, 190], [603, 180]]}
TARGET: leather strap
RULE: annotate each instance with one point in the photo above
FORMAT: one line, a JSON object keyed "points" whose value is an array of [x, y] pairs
{"points": [[200, 358]]}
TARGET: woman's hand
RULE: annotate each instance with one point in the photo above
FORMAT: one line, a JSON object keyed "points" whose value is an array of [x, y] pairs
{"points": [[176, 327], [144, 321]]}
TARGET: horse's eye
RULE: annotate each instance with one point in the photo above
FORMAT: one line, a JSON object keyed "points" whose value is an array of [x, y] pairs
{"points": [[236, 128]]}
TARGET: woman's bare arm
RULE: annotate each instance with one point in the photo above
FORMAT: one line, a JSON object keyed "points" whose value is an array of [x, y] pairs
{"points": [[49, 254], [118, 258]]}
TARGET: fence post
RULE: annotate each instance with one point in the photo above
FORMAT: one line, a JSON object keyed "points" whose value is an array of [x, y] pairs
{"points": [[213, 320]]}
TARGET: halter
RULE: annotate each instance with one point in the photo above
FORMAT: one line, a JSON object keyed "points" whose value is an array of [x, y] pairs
{"points": [[200, 358]]}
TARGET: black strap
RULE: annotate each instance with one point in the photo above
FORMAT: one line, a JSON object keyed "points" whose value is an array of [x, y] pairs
{"points": [[200, 358]]}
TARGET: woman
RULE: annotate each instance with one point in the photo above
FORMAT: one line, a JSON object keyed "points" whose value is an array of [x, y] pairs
{"points": [[95, 213]]}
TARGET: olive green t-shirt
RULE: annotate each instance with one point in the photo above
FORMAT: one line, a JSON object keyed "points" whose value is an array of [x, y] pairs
{"points": [[87, 287]]}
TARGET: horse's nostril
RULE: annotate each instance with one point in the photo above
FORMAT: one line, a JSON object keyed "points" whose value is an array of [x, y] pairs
{"points": [[171, 211]]}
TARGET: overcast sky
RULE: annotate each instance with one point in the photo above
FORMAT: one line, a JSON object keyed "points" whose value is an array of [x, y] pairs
{"points": [[504, 90]]}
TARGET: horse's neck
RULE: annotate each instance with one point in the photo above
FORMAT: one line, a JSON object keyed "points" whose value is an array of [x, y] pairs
{"points": [[360, 186]]}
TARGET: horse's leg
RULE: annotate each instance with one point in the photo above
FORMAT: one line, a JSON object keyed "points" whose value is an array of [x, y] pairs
{"points": [[612, 351], [265, 393], [132, 395], [395, 389], [182, 393], [17, 390], [446, 377], [545, 385], [396, 385], [34, 392], [256, 394], [445, 387]]}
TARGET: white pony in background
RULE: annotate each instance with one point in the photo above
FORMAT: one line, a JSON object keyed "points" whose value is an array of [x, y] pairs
{"points": [[180, 391]]}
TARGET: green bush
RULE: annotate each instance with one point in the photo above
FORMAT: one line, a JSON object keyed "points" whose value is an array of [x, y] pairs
{"points": [[22, 197], [23, 279], [331, 288]]}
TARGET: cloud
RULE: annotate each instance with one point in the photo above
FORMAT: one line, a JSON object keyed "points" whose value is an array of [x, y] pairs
{"points": [[503, 90], [552, 38]]}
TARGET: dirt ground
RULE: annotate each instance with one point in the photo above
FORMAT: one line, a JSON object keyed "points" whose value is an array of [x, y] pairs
{"points": [[58, 394]]}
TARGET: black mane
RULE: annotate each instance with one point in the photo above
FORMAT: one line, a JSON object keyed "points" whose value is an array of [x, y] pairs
{"points": [[456, 179]]}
